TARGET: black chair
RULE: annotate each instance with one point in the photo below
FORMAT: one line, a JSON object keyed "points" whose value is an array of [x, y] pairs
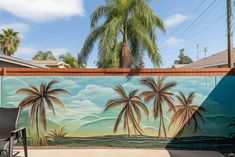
{"points": [[9, 133]]}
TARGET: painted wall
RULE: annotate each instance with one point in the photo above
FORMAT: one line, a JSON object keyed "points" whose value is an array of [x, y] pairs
{"points": [[205, 121]]}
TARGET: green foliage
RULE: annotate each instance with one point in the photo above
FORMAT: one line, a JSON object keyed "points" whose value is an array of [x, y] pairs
{"points": [[58, 133], [47, 55], [32, 137], [128, 30], [71, 60], [183, 59], [9, 41]]}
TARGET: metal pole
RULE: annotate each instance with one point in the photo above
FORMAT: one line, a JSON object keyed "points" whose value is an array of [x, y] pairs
{"points": [[230, 34], [197, 51]]}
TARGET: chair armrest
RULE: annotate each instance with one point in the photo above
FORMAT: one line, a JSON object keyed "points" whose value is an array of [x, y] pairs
{"points": [[17, 131]]}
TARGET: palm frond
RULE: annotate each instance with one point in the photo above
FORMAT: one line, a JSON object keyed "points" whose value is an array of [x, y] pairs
{"points": [[89, 43], [58, 133], [56, 101], [114, 103], [98, 13], [120, 90], [118, 120]]}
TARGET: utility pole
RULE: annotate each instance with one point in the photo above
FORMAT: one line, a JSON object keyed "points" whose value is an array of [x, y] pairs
{"points": [[230, 33], [205, 51], [197, 51]]}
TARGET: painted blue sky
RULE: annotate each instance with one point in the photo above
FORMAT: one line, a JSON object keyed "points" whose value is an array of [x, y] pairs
{"points": [[62, 26]]}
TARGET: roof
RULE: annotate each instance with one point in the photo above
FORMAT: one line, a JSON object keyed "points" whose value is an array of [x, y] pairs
{"points": [[217, 59], [178, 65], [50, 63], [17, 61]]}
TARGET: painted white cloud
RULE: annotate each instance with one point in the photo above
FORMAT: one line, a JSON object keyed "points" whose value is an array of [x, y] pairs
{"points": [[43, 10], [175, 20], [75, 112], [94, 91], [172, 42], [22, 28]]}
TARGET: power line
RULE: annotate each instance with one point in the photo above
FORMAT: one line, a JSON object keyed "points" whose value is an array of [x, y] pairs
{"points": [[198, 17], [200, 5], [209, 25], [208, 13]]}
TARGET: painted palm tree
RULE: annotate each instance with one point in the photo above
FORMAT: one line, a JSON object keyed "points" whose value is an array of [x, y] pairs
{"points": [[232, 135], [187, 114], [9, 41], [161, 95], [128, 30], [37, 98], [131, 106]]}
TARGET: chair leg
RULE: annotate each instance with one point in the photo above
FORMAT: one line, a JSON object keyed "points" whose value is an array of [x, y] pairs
{"points": [[10, 152], [25, 142]]}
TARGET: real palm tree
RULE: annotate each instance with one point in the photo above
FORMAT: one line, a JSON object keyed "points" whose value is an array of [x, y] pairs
{"points": [[37, 98], [128, 30], [69, 59], [161, 95], [131, 106], [47, 55], [187, 114], [9, 41], [81, 63]]}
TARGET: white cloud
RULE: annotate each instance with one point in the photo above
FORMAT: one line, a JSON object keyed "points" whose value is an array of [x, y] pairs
{"points": [[58, 51], [175, 19], [22, 28], [43, 10], [26, 52], [172, 42]]}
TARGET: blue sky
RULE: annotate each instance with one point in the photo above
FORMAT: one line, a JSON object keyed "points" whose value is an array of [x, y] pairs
{"points": [[62, 26]]}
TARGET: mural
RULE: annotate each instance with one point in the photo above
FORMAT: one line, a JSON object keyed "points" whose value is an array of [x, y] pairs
{"points": [[146, 112]]}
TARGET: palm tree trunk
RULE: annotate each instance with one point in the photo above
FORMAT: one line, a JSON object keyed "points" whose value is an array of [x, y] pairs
{"points": [[128, 128], [125, 57], [160, 127], [163, 125], [37, 127], [180, 132]]}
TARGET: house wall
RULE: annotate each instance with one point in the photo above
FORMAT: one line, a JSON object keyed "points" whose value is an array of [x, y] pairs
{"points": [[206, 125], [9, 65]]}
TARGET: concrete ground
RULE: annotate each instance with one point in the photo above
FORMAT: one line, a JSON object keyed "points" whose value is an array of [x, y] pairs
{"points": [[118, 153]]}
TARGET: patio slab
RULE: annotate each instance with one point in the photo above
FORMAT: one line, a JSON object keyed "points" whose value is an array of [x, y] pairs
{"points": [[118, 153]]}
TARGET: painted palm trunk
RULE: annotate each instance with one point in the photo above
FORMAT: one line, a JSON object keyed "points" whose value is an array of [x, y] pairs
{"points": [[142, 112]]}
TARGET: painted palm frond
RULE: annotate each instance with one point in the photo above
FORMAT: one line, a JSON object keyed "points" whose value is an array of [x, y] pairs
{"points": [[37, 98], [187, 114], [232, 125], [124, 34], [58, 133], [159, 92], [131, 110]]}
